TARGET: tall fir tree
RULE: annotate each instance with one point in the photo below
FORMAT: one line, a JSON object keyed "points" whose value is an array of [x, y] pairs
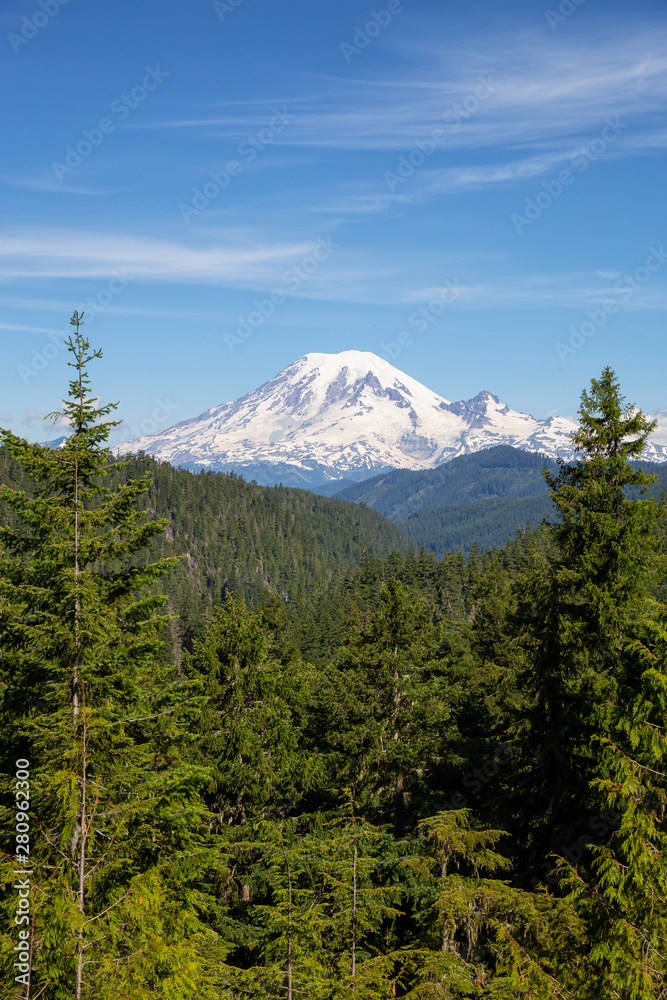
{"points": [[579, 615], [248, 730], [623, 901], [118, 824], [387, 704]]}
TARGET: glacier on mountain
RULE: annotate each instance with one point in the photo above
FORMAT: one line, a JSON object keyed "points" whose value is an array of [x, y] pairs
{"points": [[348, 416]]}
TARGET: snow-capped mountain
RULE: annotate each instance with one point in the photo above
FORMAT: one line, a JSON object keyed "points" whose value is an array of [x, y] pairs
{"points": [[348, 416], [56, 444]]}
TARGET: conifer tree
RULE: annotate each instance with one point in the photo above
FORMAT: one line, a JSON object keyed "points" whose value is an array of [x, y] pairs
{"points": [[623, 902], [606, 537], [479, 935], [582, 612], [387, 705], [249, 735], [362, 952], [114, 901], [320, 910], [288, 928]]}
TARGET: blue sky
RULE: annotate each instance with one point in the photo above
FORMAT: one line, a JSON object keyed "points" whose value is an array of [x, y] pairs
{"points": [[475, 192]]}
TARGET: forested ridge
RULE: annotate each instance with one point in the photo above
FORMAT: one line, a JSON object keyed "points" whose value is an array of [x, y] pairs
{"points": [[480, 500], [494, 472], [238, 537], [417, 777]]}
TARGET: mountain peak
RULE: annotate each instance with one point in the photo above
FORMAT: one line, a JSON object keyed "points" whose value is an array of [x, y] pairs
{"points": [[355, 364], [351, 359], [346, 415]]}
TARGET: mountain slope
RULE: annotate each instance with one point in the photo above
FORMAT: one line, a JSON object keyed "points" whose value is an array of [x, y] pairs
{"points": [[346, 416], [488, 524], [495, 472], [242, 537], [483, 498]]}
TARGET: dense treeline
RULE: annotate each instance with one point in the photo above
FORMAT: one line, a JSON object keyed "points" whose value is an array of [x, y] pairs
{"points": [[320, 620], [500, 471], [478, 500], [237, 537], [427, 778], [486, 524]]}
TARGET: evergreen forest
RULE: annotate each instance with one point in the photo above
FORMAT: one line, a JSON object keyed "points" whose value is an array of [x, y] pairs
{"points": [[257, 743]]}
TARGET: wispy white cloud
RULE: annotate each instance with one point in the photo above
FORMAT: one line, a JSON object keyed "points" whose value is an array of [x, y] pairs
{"points": [[504, 174], [541, 94], [492, 175], [570, 290], [44, 182], [352, 275], [33, 418], [41, 305], [18, 328], [77, 254], [63, 307], [659, 436]]}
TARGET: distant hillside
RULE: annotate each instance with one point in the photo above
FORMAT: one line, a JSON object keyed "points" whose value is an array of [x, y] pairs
{"points": [[496, 472], [241, 537], [483, 498], [490, 524]]}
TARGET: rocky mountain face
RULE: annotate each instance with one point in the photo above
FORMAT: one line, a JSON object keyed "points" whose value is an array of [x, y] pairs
{"points": [[348, 416]]}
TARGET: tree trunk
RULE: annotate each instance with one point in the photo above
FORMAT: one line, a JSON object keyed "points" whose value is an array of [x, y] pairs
{"points": [[79, 833], [81, 864], [399, 794], [289, 926], [353, 969], [445, 932]]}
